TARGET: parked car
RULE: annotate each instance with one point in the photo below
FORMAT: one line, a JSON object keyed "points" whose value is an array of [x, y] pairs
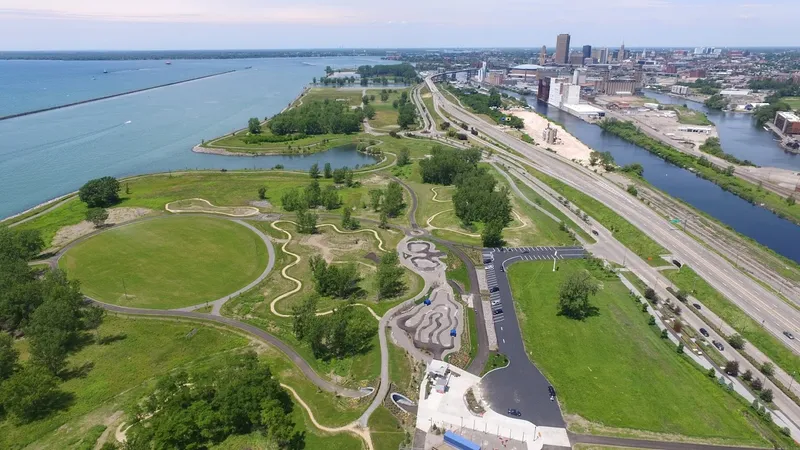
{"points": [[495, 302], [719, 345], [594, 232], [514, 412], [502, 269], [697, 306], [552, 392], [526, 251], [704, 332], [494, 289], [788, 335], [487, 260], [497, 311], [677, 263]]}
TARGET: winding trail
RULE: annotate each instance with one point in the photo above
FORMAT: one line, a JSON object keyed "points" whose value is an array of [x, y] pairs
{"points": [[523, 224], [298, 283], [435, 194]]}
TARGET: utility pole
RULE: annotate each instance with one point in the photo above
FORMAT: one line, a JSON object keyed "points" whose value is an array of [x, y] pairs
{"points": [[555, 256], [792, 380]]}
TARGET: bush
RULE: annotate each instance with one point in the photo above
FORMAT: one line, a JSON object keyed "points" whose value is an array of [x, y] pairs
{"points": [[757, 384], [747, 375], [766, 395], [461, 136], [100, 192], [732, 368], [736, 341], [664, 334], [651, 295], [651, 321], [632, 190], [711, 373], [680, 348], [768, 369]]}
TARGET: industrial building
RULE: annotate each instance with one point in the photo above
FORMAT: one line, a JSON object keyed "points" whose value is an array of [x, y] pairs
{"points": [[562, 49], [620, 86], [496, 77], [526, 72], [787, 122], [680, 90]]}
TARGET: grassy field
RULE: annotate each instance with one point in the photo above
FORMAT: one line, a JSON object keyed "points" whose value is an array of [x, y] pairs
{"points": [[306, 145], [750, 329], [689, 116], [350, 95], [793, 102], [624, 231], [386, 432], [121, 372], [613, 369], [385, 114], [168, 262]]}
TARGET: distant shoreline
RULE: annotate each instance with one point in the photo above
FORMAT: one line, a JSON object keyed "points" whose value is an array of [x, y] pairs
{"points": [[106, 97]]}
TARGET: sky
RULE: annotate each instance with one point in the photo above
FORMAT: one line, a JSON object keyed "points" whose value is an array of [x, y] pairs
{"points": [[270, 24]]}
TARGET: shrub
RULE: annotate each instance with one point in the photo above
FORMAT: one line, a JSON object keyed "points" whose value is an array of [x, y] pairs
{"points": [[664, 334], [768, 369], [651, 320], [736, 341], [732, 368], [766, 395], [757, 384], [680, 348], [711, 373], [747, 375]]}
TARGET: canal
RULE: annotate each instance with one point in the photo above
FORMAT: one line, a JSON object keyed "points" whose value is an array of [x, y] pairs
{"points": [[757, 223]]}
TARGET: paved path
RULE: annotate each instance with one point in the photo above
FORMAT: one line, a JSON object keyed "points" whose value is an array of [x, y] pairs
{"points": [[520, 385]]}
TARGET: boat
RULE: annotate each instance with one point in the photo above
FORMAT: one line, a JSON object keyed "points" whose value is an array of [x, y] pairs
{"points": [[105, 71], [766, 129], [169, 63]]}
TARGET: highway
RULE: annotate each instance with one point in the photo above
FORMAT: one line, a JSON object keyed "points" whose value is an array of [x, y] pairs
{"points": [[746, 293]]}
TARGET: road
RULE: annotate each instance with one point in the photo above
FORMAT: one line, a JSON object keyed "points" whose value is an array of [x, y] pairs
{"points": [[520, 385], [757, 301]]}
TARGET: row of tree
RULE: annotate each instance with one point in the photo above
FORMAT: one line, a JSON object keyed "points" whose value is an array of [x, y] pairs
{"points": [[388, 201], [477, 199], [315, 118], [404, 70], [310, 197], [51, 313]]}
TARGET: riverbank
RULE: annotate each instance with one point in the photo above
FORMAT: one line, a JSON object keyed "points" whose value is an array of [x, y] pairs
{"points": [[567, 145], [754, 194]]}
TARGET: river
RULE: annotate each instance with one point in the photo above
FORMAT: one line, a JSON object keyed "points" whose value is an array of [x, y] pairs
{"points": [[739, 135], [49, 154], [778, 234]]}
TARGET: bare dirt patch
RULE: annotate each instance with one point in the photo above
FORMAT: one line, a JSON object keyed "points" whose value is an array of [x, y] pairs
{"points": [[333, 245], [69, 233], [375, 180]]}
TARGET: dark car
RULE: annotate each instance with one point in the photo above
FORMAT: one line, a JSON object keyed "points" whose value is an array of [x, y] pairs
{"points": [[704, 332], [788, 335], [677, 263], [526, 251], [497, 311], [494, 289], [552, 392], [502, 269], [514, 412], [719, 345], [487, 260], [594, 232], [697, 306]]}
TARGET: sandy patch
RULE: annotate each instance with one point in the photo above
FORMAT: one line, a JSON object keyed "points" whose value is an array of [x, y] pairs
{"points": [[261, 204], [375, 180], [69, 233], [330, 246], [568, 145]]}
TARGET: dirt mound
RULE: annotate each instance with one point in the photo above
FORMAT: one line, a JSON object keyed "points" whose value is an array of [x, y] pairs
{"points": [[69, 233]]}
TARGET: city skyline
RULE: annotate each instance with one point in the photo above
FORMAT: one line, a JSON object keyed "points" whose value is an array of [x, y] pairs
{"points": [[247, 24]]}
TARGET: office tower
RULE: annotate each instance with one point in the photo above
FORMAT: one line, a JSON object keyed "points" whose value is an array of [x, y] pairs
{"points": [[587, 51], [543, 56], [562, 49]]}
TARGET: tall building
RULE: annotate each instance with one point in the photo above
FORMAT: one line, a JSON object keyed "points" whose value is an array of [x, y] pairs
{"points": [[543, 56], [562, 49], [587, 51], [621, 55]]}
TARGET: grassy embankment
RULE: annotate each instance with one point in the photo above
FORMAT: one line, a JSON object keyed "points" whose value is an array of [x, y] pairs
{"points": [[167, 263], [746, 190], [122, 371], [613, 369], [386, 432]]}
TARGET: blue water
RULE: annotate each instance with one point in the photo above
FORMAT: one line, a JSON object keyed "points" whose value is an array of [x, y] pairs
{"points": [[49, 154], [780, 235], [740, 136]]}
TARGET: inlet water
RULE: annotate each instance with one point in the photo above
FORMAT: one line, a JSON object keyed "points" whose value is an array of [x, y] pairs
{"points": [[49, 154], [778, 234]]}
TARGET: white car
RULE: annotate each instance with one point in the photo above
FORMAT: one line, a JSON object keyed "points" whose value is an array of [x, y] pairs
{"points": [[495, 302]]}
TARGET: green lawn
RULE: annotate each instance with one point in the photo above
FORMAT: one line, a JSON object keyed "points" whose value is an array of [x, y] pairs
{"points": [[613, 369], [793, 102], [122, 371], [310, 144], [168, 262], [386, 432], [385, 114], [750, 329], [350, 95]]}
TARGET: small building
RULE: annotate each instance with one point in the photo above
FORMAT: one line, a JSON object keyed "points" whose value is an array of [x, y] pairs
{"points": [[695, 129], [549, 134], [734, 92], [680, 90], [441, 385], [459, 442], [787, 122], [437, 368], [584, 110]]}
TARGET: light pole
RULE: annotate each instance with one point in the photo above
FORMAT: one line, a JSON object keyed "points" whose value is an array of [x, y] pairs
{"points": [[791, 380], [555, 256]]}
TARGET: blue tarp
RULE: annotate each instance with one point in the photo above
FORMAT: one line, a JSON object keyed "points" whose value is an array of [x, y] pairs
{"points": [[427, 301], [460, 442], [453, 332]]}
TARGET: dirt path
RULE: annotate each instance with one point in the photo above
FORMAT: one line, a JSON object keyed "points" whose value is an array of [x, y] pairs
{"points": [[435, 194], [352, 428], [522, 225], [210, 208]]}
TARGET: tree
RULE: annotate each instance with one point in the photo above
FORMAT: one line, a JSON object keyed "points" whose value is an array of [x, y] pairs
{"points": [[30, 394], [348, 222], [679, 349], [303, 315], [711, 373], [97, 216], [494, 99], [766, 395], [664, 333], [407, 116], [393, 200], [574, 293], [254, 126], [767, 369], [348, 177], [8, 356], [314, 80], [736, 341], [262, 193], [306, 222], [390, 276], [92, 319], [747, 375], [384, 96], [313, 194], [327, 172], [365, 100], [375, 197], [384, 221], [732, 368], [403, 157], [313, 171], [492, 234], [757, 384], [100, 192], [369, 111], [632, 190], [650, 294]]}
